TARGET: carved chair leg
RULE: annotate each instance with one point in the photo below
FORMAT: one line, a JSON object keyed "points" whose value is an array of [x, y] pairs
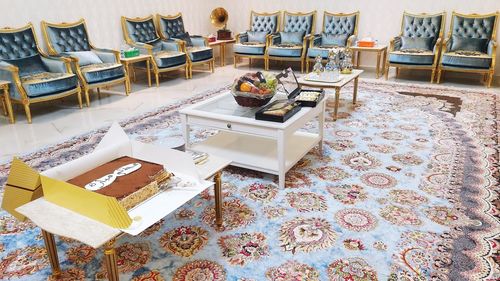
{"points": [[79, 96], [4, 107], [307, 65], [433, 74], [386, 74], [490, 79], [301, 66], [127, 87], [439, 75], [28, 112], [157, 75]]}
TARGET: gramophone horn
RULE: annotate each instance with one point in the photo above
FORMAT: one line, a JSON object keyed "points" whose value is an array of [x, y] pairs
{"points": [[219, 17]]}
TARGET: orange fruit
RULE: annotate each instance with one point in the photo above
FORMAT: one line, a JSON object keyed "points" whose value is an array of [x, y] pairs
{"points": [[246, 87]]}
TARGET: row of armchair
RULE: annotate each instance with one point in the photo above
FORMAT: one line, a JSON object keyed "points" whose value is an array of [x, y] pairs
{"points": [[75, 66], [470, 46]]}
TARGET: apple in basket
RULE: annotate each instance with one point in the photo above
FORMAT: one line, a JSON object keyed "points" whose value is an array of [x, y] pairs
{"points": [[254, 89]]}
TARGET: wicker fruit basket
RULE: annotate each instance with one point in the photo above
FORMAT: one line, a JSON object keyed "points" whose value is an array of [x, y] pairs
{"points": [[255, 92]]}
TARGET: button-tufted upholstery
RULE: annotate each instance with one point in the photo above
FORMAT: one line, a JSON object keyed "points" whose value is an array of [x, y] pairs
{"points": [[473, 27], [266, 23], [335, 24], [142, 31], [171, 26], [69, 39], [296, 23], [414, 26]]}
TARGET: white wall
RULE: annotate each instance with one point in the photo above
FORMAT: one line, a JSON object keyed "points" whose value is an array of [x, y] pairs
{"points": [[380, 18]]}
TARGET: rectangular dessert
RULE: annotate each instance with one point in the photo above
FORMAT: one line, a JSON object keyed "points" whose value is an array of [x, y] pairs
{"points": [[129, 189]]}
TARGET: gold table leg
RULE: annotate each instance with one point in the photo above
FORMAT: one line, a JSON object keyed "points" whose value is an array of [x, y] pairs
{"points": [[110, 260], [8, 104], [378, 65], [218, 199], [50, 245], [336, 108], [384, 58], [358, 58], [355, 91], [148, 69]]}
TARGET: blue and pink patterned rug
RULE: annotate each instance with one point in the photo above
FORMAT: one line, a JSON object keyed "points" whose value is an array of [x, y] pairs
{"points": [[405, 190]]}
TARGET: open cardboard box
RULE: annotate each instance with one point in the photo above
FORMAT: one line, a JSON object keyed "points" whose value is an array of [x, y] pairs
{"points": [[99, 207]]}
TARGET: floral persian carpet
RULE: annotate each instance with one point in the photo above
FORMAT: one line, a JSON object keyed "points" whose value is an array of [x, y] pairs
{"points": [[405, 189]]}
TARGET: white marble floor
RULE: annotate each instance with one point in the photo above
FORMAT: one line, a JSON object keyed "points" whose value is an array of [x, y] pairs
{"points": [[56, 121]]}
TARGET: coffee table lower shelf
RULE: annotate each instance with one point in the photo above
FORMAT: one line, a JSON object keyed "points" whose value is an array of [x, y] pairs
{"points": [[259, 153]]}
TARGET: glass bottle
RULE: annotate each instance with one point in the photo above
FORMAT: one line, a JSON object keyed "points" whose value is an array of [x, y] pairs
{"points": [[318, 65]]}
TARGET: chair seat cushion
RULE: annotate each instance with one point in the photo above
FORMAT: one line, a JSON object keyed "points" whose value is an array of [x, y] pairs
{"points": [[250, 49], [47, 83], [465, 59], [102, 72], [412, 57], [166, 59], [320, 51], [285, 51], [200, 53]]}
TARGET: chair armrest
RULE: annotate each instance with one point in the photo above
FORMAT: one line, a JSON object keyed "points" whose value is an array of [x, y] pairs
{"points": [[351, 40], [107, 55], [492, 48], [57, 64], [10, 72], [437, 46], [242, 37], [199, 41], [275, 39], [447, 44]]}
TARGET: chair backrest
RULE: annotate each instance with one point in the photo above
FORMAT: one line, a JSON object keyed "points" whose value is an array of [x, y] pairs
{"points": [[66, 37], [170, 26], [267, 22], [139, 30], [474, 25], [294, 22], [340, 24], [19, 47], [423, 25]]}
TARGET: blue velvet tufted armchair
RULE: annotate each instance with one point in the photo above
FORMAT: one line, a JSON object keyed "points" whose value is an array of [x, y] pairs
{"points": [[251, 44], [471, 45], [167, 54], [339, 31], [291, 43], [34, 76], [195, 46], [96, 68], [418, 45]]}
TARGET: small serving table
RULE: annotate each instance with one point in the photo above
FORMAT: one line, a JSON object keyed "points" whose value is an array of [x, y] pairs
{"points": [[344, 80], [222, 48], [140, 58], [264, 146], [6, 103], [381, 51], [54, 219]]}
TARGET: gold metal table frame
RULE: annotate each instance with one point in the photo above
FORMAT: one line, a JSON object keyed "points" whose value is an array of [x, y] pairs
{"points": [[110, 256]]}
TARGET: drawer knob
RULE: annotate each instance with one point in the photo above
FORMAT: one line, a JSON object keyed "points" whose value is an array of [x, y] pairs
{"points": [[228, 125]]}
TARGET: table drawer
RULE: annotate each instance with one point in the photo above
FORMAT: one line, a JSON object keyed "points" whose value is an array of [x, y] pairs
{"points": [[232, 126]]}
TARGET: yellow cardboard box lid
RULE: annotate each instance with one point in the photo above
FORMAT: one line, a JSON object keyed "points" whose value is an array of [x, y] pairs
{"points": [[23, 176]]}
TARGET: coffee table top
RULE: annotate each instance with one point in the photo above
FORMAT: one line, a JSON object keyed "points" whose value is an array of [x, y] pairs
{"points": [[375, 48], [140, 57], [345, 78], [223, 107]]}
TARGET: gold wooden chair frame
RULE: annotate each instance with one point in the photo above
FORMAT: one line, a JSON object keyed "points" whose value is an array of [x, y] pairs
{"points": [[250, 57], [438, 44], [487, 73], [25, 100], [85, 86], [211, 62], [304, 43], [157, 71]]}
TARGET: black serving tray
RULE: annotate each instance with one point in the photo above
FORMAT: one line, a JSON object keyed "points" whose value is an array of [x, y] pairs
{"points": [[293, 89], [262, 115]]}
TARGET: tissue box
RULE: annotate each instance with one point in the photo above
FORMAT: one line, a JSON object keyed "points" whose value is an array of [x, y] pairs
{"points": [[131, 53], [368, 44]]}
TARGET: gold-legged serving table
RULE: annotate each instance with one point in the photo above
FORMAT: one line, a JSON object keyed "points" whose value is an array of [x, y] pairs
{"points": [[344, 80], [381, 51], [127, 62], [222, 49]]}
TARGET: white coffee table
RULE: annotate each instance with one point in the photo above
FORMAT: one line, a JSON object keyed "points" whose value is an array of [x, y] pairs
{"points": [[265, 146], [344, 80]]}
